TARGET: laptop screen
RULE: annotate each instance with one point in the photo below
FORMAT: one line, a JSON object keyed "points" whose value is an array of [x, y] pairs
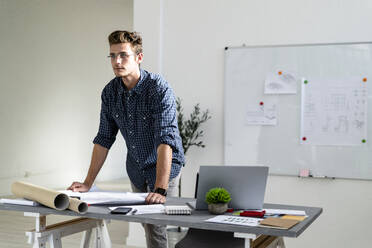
{"points": [[246, 185]]}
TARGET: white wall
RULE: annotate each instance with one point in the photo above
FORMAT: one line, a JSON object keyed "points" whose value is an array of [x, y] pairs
{"points": [[194, 35], [53, 67]]}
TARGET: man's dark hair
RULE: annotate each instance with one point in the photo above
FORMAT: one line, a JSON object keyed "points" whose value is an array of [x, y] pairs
{"points": [[122, 36]]}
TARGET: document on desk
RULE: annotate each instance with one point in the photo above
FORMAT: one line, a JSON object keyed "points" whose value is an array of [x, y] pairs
{"points": [[285, 211], [108, 198], [235, 220], [19, 201], [144, 209]]}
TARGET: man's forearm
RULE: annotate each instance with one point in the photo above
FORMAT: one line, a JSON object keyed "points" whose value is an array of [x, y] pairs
{"points": [[99, 155], [163, 166]]}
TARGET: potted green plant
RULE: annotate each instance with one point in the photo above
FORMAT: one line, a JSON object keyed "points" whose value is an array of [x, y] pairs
{"points": [[189, 128], [217, 199]]}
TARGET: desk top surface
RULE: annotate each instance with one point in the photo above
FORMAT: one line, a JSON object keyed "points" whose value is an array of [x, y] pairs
{"points": [[196, 220]]}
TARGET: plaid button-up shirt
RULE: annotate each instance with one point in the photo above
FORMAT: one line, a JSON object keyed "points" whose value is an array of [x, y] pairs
{"points": [[146, 117]]}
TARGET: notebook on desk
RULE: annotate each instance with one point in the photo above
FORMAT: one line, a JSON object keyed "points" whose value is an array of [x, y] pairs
{"points": [[246, 185]]}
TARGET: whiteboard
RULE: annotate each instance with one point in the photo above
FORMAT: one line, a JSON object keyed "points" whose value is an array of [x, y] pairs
{"points": [[279, 146]]}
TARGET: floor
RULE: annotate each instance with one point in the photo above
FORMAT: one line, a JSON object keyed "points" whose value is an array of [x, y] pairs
{"points": [[13, 226]]}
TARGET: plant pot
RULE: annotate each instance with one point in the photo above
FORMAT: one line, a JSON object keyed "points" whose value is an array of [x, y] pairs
{"points": [[217, 208]]}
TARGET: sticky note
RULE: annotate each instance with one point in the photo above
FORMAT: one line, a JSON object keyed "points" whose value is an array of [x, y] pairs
{"points": [[304, 172]]}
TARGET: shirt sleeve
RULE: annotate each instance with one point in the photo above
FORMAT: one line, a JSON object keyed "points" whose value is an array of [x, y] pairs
{"points": [[165, 118], [107, 127]]}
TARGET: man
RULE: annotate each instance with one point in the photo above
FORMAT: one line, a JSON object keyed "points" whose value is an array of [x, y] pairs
{"points": [[142, 106]]}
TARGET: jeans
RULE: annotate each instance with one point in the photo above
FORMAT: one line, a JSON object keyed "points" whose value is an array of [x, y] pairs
{"points": [[156, 235]]}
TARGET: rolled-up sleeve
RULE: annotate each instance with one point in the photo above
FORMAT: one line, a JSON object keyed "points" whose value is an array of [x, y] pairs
{"points": [[165, 118], [107, 127]]}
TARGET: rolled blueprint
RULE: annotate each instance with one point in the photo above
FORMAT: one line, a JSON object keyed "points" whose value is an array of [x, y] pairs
{"points": [[78, 206], [47, 197]]}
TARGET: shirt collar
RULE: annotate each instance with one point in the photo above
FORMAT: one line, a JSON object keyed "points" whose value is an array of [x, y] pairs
{"points": [[140, 86]]}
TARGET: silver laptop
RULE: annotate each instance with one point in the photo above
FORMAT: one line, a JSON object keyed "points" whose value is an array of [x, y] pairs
{"points": [[246, 185]]}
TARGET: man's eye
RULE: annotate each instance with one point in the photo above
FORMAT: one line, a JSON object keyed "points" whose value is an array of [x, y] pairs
{"points": [[123, 55]]}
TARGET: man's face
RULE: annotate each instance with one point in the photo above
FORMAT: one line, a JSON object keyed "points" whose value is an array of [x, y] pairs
{"points": [[124, 60]]}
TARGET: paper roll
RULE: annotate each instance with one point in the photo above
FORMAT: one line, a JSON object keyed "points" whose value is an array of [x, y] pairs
{"points": [[47, 197], [78, 206]]}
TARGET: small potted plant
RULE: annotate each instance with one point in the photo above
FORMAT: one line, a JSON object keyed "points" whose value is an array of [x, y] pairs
{"points": [[217, 199]]}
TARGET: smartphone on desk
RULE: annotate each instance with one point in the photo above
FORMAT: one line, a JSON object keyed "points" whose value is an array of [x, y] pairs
{"points": [[121, 210]]}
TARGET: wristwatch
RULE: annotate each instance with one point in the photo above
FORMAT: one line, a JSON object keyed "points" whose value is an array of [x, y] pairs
{"points": [[161, 191]]}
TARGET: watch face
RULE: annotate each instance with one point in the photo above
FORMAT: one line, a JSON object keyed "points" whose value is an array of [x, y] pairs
{"points": [[161, 191]]}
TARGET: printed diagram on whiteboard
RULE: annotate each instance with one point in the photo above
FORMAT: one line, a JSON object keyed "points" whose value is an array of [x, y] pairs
{"points": [[262, 114], [334, 112], [280, 82]]}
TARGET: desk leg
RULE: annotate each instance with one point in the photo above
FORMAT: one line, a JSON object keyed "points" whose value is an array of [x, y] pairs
{"points": [[106, 241], [55, 241], [262, 241], [40, 225], [102, 236], [281, 243], [247, 238], [40, 220], [39, 243], [42, 234], [86, 239]]}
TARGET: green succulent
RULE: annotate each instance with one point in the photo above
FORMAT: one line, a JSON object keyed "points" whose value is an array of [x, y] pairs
{"points": [[217, 195]]}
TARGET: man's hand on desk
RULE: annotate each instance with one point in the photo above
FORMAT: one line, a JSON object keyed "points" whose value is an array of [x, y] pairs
{"points": [[78, 187], [155, 198]]}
